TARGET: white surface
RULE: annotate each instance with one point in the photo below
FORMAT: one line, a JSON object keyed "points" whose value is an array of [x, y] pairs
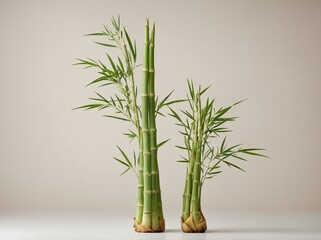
{"points": [[220, 226]]}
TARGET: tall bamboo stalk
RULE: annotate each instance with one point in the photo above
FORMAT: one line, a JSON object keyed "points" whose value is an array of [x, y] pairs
{"points": [[146, 221], [153, 135], [120, 73]]}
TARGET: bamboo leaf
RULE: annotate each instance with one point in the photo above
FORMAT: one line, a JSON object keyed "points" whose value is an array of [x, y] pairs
{"points": [[233, 165], [162, 103], [122, 162], [223, 145], [162, 143], [125, 156], [88, 106], [191, 88], [102, 33], [181, 147], [105, 44], [182, 161], [125, 172], [116, 117], [112, 63], [130, 44], [101, 96], [252, 151], [203, 91]]}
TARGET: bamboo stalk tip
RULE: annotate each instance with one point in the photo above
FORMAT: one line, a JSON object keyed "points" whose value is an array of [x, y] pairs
{"points": [[147, 21]]}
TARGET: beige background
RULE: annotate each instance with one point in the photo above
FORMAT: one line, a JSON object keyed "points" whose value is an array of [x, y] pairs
{"points": [[55, 159]]}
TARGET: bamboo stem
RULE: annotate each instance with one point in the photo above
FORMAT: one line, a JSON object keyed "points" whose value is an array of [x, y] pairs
{"points": [[153, 135], [140, 193], [146, 221], [197, 165]]}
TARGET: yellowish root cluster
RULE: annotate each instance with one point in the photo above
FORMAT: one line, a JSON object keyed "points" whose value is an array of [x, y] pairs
{"points": [[144, 229], [189, 226]]}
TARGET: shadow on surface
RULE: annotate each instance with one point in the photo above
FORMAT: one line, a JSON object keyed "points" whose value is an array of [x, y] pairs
{"points": [[173, 231]]}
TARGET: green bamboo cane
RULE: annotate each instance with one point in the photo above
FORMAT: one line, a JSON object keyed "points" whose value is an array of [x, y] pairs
{"points": [[153, 135], [196, 214], [189, 178], [140, 195], [146, 134]]}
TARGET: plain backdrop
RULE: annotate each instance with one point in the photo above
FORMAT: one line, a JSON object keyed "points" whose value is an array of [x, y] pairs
{"points": [[56, 159]]}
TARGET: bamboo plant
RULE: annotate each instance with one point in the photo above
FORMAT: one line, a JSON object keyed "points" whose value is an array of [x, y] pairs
{"points": [[120, 73], [200, 125]]}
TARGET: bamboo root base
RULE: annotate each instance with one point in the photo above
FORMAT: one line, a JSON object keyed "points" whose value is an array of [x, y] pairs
{"points": [[189, 226], [144, 229]]}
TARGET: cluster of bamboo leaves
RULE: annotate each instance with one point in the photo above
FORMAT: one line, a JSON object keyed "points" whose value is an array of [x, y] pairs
{"points": [[214, 125], [119, 72]]}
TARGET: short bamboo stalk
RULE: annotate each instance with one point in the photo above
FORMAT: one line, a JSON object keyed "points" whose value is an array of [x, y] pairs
{"points": [[140, 192]]}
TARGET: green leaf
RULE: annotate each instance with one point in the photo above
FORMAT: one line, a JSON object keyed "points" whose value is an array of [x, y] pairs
{"points": [[189, 115], [131, 134], [162, 143], [116, 117], [191, 88], [125, 156], [102, 97], [233, 165], [112, 63], [135, 159], [181, 147], [125, 172], [162, 103], [105, 44], [96, 34], [223, 145], [88, 106], [116, 24], [252, 151], [90, 63], [175, 115], [214, 173], [182, 161], [130, 44], [122, 162], [203, 91]]}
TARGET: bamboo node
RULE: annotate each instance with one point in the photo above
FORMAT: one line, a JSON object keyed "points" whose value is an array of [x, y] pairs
{"points": [[148, 213], [145, 70]]}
